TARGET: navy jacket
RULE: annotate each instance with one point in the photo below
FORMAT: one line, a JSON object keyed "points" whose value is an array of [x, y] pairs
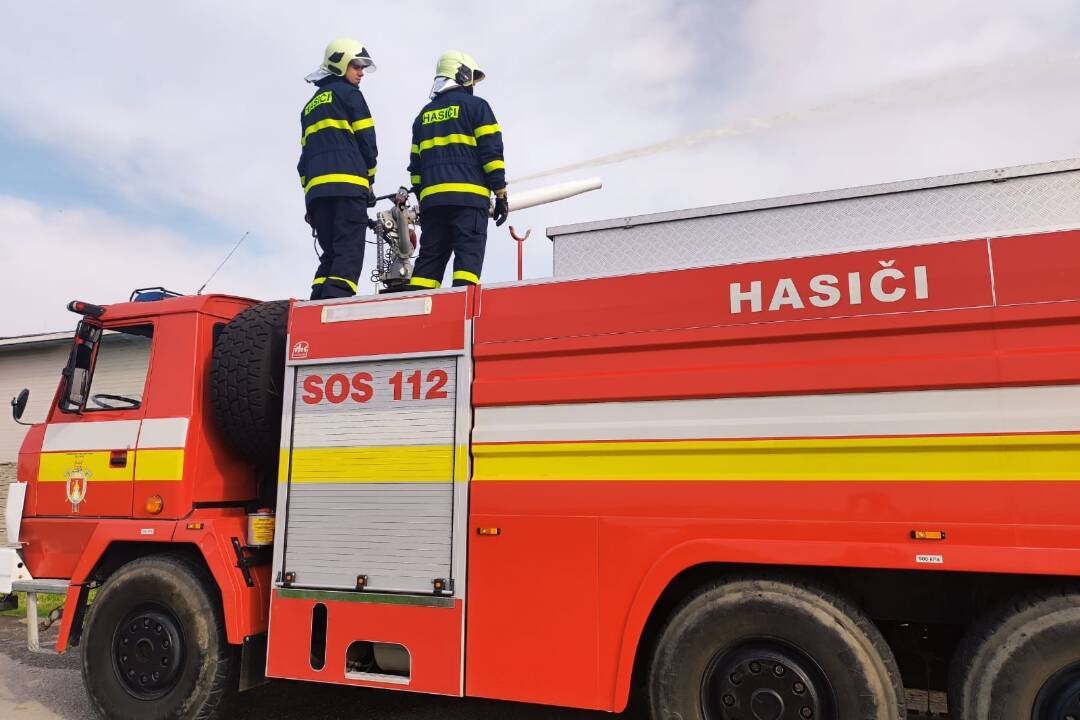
{"points": [[457, 151], [337, 142]]}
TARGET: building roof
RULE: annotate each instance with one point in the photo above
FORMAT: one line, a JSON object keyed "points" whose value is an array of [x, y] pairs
{"points": [[36, 338]]}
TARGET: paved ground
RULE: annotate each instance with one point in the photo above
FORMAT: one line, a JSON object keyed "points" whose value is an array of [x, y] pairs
{"points": [[47, 687]]}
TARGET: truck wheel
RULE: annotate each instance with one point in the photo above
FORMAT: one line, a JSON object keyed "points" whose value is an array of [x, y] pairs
{"points": [[1020, 661], [155, 644], [247, 375], [772, 649]]}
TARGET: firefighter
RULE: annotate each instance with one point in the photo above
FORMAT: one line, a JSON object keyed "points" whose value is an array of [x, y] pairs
{"points": [[337, 166], [455, 166]]}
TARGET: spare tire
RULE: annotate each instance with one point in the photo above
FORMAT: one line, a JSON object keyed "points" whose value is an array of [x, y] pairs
{"points": [[247, 375]]}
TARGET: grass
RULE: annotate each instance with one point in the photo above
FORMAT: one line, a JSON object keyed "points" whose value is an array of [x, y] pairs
{"points": [[46, 604]]}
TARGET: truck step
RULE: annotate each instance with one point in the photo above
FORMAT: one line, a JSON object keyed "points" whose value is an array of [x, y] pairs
{"points": [[55, 587], [32, 588]]}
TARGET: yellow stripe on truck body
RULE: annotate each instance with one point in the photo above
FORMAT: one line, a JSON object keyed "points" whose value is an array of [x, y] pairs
{"points": [[979, 457]]}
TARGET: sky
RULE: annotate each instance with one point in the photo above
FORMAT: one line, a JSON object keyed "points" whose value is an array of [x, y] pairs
{"points": [[139, 141]]}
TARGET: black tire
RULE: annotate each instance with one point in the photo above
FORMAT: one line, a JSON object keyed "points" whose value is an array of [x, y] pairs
{"points": [[247, 376], [156, 614], [1020, 661], [766, 647]]}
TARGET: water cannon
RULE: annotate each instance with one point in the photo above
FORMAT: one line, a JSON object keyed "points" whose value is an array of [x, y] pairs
{"points": [[395, 228], [551, 193]]}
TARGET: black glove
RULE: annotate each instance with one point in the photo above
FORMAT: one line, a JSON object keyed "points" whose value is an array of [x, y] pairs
{"points": [[371, 197], [502, 210]]}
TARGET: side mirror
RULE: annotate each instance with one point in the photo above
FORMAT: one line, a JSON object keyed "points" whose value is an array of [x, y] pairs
{"points": [[18, 405]]}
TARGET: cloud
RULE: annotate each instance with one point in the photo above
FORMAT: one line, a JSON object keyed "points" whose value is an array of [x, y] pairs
{"points": [[85, 254]]}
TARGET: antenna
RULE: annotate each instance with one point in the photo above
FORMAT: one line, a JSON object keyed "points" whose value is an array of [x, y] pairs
{"points": [[203, 286]]}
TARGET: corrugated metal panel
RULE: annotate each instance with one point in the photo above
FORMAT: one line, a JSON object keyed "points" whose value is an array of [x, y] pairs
{"points": [[371, 480], [1008, 201], [36, 367], [398, 534]]}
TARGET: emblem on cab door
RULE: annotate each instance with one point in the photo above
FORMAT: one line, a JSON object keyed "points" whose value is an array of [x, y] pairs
{"points": [[75, 487], [300, 349]]}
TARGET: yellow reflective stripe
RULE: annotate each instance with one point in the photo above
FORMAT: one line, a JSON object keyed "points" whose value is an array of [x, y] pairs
{"points": [[322, 125], [371, 172], [424, 282], [455, 187], [385, 464], [415, 150], [159, 465], [414, 179], [466, 275], [94, 465], [443, 140], [494, 165], [155, 464], [336, 178], [356, 126], [303, 181], [966, 458], [321, 280], [487, 130], [350, 283]]}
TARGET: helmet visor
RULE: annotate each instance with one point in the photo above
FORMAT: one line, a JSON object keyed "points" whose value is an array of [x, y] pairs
{"points": [[363, 59]]}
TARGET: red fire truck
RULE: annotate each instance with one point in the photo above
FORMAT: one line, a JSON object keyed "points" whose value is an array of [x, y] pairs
{"points": [[769, 489]]}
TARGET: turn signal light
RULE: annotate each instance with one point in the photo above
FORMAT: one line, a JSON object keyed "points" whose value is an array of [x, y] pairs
{"points": [[154, 504]]}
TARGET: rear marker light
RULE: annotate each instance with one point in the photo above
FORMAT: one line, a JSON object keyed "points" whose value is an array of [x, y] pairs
{"points": [[488, 531], [195, 526]]}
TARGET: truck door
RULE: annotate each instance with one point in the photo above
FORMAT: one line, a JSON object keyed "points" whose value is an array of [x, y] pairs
{"points": [[88, 454]]}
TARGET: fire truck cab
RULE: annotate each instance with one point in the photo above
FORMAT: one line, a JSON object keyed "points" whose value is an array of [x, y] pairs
{"points": [[773, 488]]}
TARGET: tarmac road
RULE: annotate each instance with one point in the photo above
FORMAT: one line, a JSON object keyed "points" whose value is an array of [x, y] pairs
{"points": [[49, 687]]}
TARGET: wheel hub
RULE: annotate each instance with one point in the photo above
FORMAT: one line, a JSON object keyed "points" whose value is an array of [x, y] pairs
{"points": [[1059, 697], [766, 680], [148, 651]]}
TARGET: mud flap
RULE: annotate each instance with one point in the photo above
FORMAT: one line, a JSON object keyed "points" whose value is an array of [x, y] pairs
{"points": [[253, 662]]}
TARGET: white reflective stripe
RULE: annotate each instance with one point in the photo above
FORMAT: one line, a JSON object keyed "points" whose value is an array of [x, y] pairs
{"points": [[91, 435], [924, 412], [376, 310], [163, 433]]}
